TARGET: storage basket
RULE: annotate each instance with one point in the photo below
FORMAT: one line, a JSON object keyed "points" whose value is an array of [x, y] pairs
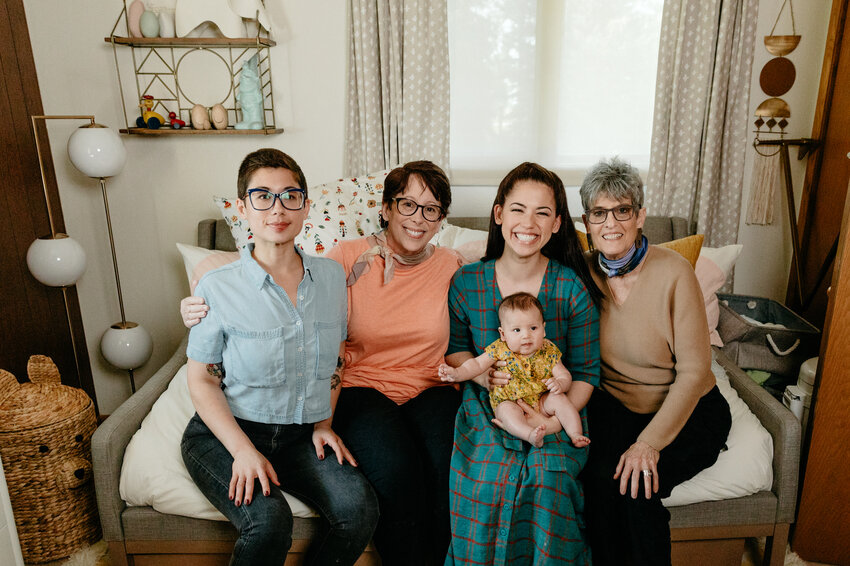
{"points": [[45, 445], [763, 346]]}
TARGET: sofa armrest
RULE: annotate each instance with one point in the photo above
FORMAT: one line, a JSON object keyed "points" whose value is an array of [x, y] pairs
{"points": [[111, 438], [782, 426]]}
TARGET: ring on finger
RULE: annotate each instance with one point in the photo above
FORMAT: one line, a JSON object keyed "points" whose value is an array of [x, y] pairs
{"points": [[646, 473]]}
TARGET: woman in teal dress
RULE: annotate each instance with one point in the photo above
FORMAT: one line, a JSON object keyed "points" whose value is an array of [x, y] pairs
{"points": [[512, 503]]}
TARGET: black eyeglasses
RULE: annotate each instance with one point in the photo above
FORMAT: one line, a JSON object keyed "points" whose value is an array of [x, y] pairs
{"points": [[263, 199], [621, 213], [407, 207]]}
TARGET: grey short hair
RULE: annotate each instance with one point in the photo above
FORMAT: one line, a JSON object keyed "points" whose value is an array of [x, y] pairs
{"points": [[614, 178]]}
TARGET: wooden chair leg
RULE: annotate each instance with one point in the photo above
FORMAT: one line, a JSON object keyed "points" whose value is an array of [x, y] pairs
{"points": [[117, 553], [774, 547]]}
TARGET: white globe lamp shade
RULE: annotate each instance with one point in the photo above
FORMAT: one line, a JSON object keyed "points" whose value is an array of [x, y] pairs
{"points": [[97, 151], [126, 345], [56, 261]]}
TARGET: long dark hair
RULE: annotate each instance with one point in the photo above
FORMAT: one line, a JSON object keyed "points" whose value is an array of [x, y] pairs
{"points": [[563, 246]]}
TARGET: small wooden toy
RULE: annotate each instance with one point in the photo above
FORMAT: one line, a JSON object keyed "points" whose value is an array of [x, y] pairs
{"points": [[149, 119], [176, 123]]}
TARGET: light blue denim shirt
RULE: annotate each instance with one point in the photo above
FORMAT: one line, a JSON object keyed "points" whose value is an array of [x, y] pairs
{"points": [[278, 358]]}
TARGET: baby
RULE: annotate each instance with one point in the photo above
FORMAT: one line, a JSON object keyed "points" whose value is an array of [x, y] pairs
{"points": [[538, 376]]}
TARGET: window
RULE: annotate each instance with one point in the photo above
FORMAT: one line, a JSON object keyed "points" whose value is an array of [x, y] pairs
{"points": [[560, 82]]}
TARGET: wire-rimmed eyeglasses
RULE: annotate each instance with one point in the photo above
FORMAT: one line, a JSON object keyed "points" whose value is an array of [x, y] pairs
{"points": [[263, 199], [621, 213], [408, 207]]}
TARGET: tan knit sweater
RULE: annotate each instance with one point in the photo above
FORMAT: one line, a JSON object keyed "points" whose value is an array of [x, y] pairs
{"points": [[655, 349]]}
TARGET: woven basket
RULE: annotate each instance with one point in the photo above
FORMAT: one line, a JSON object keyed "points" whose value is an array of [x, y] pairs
{"points": [[45, 445]]}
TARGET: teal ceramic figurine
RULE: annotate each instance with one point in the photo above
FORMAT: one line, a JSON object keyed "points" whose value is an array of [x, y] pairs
{"points": [[250, 97]]}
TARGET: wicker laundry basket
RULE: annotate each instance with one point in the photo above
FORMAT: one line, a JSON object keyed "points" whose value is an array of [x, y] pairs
{"points": [[45, 445]]}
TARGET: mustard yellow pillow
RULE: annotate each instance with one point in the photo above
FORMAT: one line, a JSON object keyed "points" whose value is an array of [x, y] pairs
{"points": [[582, 239], [689, 247]]}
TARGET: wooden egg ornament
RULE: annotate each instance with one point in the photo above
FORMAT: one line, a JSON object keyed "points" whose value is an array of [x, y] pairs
{"points": [[218, 116], [200, 117], [134, 14], [149, 24]]}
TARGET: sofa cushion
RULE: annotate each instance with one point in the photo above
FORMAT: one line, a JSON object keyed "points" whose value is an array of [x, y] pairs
{"points": [[153, 472], [745, 468]]}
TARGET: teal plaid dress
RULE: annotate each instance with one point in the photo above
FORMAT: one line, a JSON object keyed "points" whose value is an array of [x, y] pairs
{"points": [[512, 503]]}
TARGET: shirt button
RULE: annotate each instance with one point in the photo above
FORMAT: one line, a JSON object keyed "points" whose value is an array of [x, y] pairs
{"points": [[300, 398], [297, 323], [300, 349], [503, 533], [300, 375], [512, 477], [507, 505], [300, 297]]}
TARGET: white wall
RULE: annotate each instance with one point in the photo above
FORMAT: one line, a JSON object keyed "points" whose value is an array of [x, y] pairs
{"points": [[167, 183], [765, 260]]}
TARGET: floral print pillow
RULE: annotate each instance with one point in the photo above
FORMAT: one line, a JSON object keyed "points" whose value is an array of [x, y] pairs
{"points": [[344, 209]]}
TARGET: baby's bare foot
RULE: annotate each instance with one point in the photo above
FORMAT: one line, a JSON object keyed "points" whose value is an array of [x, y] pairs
{"points": [[579, 440], [535, 437]]}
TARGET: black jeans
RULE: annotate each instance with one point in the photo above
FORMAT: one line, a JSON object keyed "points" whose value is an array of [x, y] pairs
{"points": [[623, 531], [405, 451], [340, 494]]}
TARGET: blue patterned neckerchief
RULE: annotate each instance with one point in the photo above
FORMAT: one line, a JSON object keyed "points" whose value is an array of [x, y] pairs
{"points": [[617, 267]]}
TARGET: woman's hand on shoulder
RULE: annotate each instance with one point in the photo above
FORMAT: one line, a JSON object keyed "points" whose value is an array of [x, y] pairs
{"points": [[323, 435], [638, 467], [193, 309], [249, 464]]}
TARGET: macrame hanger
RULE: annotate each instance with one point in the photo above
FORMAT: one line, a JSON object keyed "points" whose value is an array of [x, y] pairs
{"points": [[790, 7]]}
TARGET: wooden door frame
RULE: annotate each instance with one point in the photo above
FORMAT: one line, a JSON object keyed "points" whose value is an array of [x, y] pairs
{"points": [[826, 90], [21, 97]]}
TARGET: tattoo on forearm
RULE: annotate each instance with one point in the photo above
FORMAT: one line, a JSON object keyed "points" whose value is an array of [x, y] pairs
{"points": [[216, 370], [336, 378]]}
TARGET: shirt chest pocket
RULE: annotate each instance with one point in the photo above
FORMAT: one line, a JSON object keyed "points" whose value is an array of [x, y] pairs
{"points": [[328, 338], [260, 353]]}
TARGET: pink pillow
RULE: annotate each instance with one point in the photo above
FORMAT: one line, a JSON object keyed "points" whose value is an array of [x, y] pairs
{"points": [[711, 278]]}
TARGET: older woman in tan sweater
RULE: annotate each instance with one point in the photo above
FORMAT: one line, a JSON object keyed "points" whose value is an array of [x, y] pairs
{"points": [[657, 418]]}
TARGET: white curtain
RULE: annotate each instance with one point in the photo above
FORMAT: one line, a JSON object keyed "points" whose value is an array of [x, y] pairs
{"points": [[398, 97], [699, 135]]}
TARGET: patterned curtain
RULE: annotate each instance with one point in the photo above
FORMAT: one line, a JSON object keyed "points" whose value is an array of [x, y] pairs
{"points": [[699, 134], [398, 97]]}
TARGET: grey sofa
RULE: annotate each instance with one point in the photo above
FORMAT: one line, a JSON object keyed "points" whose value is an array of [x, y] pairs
{"points": [[703, 533]]}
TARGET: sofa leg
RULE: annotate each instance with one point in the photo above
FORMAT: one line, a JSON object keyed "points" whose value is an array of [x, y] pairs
{"points": [[117, 554], [774, 547]]}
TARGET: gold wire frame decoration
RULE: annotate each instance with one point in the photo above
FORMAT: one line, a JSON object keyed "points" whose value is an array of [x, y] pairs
{"points": [[156, 70]]}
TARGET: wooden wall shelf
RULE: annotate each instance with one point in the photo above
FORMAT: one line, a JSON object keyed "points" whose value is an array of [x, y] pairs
{"points": [[191, 41], [188, 131], [156, 66]]}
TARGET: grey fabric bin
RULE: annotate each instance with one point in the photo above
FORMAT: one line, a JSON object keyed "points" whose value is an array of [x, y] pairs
{"points": [[751, 346]]}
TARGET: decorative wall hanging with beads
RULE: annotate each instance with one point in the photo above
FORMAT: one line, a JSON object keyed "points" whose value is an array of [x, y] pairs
{"points": [[777, 77]]}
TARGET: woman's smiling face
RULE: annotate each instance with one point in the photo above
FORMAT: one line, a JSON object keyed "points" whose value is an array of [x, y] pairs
{"points": [[614, 238], [528, 218], [408, 235]]}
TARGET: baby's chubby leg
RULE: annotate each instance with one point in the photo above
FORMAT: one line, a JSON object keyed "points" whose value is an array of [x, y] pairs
{"points": [[558, 404], [512, 419]]}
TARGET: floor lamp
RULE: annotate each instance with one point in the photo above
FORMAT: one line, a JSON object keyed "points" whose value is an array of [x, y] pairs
{"points": [[59, 261]]}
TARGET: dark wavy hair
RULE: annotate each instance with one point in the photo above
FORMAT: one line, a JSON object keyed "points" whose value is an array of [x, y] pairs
{"points": [[429, 174], [563, 246]]}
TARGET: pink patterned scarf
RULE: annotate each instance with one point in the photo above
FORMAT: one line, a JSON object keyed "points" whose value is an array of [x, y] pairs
{"points": [[379, 247]]}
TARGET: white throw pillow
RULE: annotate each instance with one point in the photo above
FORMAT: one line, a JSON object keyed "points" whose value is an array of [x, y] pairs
{"points": [[746, 467], [153, 472], [198, 261], [469, 243]]}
